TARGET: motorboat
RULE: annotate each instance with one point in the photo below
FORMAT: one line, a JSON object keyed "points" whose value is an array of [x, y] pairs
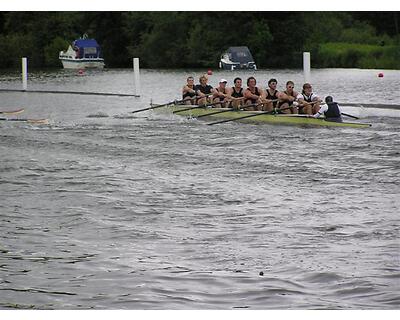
{"points": [[82, 53], [237, 58]]}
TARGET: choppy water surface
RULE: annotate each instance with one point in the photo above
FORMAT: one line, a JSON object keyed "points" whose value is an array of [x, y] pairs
{"points": [[160, 212]]}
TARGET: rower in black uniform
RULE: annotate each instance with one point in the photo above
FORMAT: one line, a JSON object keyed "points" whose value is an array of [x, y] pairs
{"points": [[235, 94]]}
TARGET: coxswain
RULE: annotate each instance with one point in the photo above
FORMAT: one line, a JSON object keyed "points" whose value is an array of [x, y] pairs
{"points": [[253, 95], [189, 92], [203, 90], [272, 95], [287, 101], [235, 94], [330, 111], [309, 103], [220, 94]]}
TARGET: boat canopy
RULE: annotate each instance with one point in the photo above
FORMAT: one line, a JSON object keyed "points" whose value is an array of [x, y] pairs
{"points": [[240, 54], [87, 48]]}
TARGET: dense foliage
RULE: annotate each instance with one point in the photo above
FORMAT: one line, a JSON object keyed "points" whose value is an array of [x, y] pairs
{"points": [[196, 39]]}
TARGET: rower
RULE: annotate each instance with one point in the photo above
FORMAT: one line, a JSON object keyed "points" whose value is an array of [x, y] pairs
{"points": [[288, 103], [189, 92], [330, 111], [272, 94], [253, 95], [309, 103], [203, 90], [220, 94], [235, 94]]}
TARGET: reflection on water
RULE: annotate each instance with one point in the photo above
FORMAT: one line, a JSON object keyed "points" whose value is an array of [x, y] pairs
{"points": [[111, 210]]}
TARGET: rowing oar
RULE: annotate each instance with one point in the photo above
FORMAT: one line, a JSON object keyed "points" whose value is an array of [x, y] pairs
{"points": [[350, 116], [164, 105], [157, 106], [38, 121], [197, 107], [229, 109], [12, 112], [370, 105], [247, 116]]}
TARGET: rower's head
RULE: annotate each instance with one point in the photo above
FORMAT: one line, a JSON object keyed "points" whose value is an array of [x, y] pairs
{"points": [[203, 79], [238, 82], [251, 82], [190, 80], [328, 99], [272, 83], [307, 88], [222, 83], [289, 86]]}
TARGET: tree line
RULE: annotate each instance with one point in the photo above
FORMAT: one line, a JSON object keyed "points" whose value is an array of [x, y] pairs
{"points": [[197, 39]]}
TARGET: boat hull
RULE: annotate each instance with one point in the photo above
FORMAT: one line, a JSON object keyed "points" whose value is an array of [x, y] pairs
{"points": [[279, 119], [226, 65], [83, 63]]}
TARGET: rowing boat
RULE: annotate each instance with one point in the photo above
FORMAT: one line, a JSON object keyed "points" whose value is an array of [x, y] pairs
{"points": [[280, 119]]}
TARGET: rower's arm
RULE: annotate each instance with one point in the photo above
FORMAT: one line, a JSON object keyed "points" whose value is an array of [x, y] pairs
{"points": [[215, 93], [249, 95], [301, 100], [295, 96], [280, 96], [229, 93], [321, 111], [284, 97], [198, 92], [187, 89], [263, 94]]}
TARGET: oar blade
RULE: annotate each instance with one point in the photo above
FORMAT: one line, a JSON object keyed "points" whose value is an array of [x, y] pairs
{"points": [[35, 121], [12, 112]]}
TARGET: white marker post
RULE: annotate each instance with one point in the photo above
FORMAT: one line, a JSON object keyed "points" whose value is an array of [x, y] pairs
{"points": [[306, 67], [24, 74], [137, 75]]}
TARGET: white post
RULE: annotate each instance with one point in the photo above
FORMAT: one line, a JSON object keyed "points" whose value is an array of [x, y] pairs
{"points": [[24, 74], [137, 75], [306, 66]]}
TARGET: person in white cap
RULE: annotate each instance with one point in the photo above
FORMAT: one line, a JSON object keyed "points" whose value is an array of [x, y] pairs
{"points": [[220, 94]]}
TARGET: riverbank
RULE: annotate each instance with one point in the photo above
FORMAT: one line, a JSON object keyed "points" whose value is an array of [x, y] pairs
{"points": [[355, 55]]}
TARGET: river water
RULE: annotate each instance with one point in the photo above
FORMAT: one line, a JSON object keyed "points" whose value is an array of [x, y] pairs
{"points": [[109, 210]]}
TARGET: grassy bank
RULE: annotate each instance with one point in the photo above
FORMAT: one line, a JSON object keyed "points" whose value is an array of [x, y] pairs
{"points": [[354, 55]]}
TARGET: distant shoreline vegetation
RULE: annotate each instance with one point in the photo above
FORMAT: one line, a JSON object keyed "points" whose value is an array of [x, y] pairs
{"points": [[171, 40], [354, 55]]}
